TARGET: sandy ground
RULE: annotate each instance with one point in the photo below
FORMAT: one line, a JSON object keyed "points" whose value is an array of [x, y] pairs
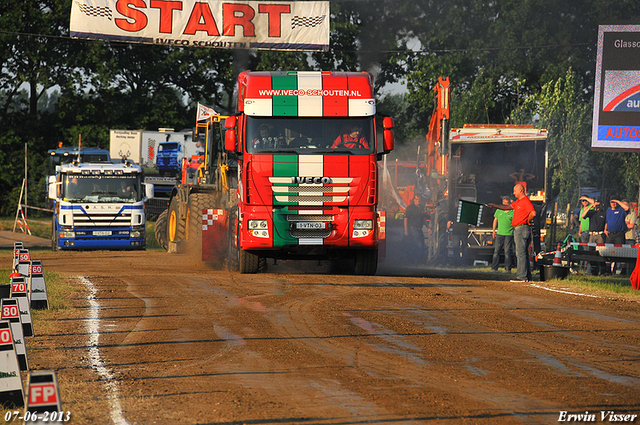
{"points": [[177, 341]]}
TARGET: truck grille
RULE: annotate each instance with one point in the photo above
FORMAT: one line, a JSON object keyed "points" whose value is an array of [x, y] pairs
{"points": [[310, 233], [297, 217], [310, 194], [101, 219]]}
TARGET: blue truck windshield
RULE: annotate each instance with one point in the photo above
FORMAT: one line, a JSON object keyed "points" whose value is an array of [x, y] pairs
{"points": [[310, 136], [101, 189]]}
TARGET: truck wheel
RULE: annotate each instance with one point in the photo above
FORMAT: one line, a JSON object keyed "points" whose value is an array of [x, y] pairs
{"points": [[175, 224], [249, 262], [161, 230], [366, 262], [54, 235], [233, 255]]}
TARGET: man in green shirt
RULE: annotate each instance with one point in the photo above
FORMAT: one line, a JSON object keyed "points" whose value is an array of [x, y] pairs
{"points": [[503, 236], [583, 230]]}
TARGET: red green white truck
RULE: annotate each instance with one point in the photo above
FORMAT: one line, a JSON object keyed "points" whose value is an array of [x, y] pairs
{"points": [[298, 176]]}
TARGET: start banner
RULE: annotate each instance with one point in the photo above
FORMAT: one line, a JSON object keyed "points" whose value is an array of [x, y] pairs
{"points": [[268, 25]]}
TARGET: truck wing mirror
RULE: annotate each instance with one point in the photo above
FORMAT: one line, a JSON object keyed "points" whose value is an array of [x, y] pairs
{"points": [[53, 190], [230, 140], [388, 135], [148, 189], [230, 134]]}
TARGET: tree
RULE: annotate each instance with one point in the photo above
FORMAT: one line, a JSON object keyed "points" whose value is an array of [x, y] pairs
{"points": [[565, 112]]}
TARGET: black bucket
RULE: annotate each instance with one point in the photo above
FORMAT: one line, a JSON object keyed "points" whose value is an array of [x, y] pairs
{"points": [[555, 272]]}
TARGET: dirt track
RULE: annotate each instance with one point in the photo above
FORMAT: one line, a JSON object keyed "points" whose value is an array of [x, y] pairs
{"points": [[182, 343]]}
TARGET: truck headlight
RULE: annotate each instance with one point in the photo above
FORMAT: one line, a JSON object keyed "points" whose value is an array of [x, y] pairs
{"points": [[135, 234], [362, 228], [258, 228], [67, 234], [363, 224]]}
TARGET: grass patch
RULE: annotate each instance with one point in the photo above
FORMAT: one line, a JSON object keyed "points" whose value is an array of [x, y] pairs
{"points": [[40, 227], [600, 285], [605, 286]]}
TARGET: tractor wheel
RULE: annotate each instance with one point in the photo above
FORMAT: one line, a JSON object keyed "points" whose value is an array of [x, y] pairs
{"points": [[175, 225], [197, 203], [161, 229]]}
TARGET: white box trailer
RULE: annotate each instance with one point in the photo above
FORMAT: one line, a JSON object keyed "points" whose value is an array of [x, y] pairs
{"points": [[126, 144], [141, 146]]}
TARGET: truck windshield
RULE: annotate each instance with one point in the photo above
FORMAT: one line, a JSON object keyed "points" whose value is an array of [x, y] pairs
{"points": [[310, 136], [171, 146], [101, 188]]}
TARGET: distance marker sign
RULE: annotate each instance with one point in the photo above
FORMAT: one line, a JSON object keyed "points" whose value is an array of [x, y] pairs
{"points": [[616, 109]]}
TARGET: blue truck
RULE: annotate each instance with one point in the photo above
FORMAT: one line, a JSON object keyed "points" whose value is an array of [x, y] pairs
{"points": [[98, 206]]}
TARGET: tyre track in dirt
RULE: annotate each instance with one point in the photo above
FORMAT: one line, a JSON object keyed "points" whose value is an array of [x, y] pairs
{"points": [[188, 344]]}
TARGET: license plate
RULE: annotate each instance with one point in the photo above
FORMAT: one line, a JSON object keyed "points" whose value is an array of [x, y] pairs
{"points": [[102, 233], [311, 225]]}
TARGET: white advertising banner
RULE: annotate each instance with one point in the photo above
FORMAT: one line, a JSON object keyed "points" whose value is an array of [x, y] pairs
{"points": [[272, 25]]}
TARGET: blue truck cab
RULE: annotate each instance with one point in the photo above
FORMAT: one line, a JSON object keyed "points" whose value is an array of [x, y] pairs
{"points": [[99, 206], [169, 157]]}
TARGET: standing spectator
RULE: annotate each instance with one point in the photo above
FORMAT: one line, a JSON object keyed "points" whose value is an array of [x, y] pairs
{"points": [[615, 226], [523, 215], [502, 236], [413, 221], [631, 221], [583, 229], [522, 177], [632, 225], [597, 221]]}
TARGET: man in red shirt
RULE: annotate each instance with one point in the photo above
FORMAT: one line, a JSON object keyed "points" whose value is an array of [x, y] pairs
{"points": [[352, 139], [523, 215]]}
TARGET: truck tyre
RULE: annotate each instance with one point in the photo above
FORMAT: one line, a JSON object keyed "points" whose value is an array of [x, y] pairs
{"points": [[161, 230], [54, 235], [233, 255], [366, 262], [249, 262], [175, 224], [197, 203]]}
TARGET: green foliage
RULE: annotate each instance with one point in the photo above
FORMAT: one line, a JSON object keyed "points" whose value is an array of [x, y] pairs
{"points": [[507, 61], [566, 114]]}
